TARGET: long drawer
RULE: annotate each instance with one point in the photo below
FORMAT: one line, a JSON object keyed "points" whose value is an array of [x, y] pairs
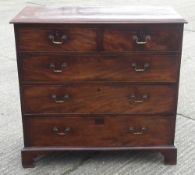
{"points": [[99, 98], [100, 131], [132, 68]]}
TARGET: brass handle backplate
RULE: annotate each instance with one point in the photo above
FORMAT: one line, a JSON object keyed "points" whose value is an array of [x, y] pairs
{"points": [[137, 131], [138, 99], [57, 131], [57, 38], [60, 99], [141, 38], [139, 68], [52, 66]]}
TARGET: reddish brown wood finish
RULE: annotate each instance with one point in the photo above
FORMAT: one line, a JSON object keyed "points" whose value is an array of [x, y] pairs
{"points": [[170, 156], [114, 38], [37, 39], [111, 131], [29, 154], [99, 98], [98, 84], [29, 157], [162, 68], [162, 38], [89, 14]]}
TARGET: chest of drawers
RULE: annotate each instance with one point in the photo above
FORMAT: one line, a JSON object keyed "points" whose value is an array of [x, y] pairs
{"points": [[97, 78]]}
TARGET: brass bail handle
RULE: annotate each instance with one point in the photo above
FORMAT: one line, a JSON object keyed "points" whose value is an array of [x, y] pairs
{"points": [[57, 131], [137, 131], [141, 38], [57, 38], [133, 98], [52, 66], [60, 99], [138, 68]]}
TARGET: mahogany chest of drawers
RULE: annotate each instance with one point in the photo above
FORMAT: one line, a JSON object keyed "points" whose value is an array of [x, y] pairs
{"points": [[97, 78]]}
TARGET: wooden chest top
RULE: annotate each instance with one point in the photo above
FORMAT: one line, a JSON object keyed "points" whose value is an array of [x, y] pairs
{"points": [[81, 14]]}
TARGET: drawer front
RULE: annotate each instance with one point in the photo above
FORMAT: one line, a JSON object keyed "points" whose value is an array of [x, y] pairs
{"points": [[132, 68], [99, 98], [56, 39], [143, 38], [102, 131]]}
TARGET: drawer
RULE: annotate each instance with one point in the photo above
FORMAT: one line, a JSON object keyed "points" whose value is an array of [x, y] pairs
{"points": [[143, 38], [132, 68], [56, 39], [100, 131], [99, 98]]}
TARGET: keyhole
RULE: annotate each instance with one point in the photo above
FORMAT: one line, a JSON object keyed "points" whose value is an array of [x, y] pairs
{"points": [[98, 89]]}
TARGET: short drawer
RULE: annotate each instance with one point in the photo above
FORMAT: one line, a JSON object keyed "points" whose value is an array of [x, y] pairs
{"points": [[100, 131], [99, 98], [56, 39], [143, 38], [132, 68]]}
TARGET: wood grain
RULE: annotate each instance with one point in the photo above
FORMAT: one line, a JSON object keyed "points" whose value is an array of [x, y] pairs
{"points": [[162, 68], [78, 72], [162, 38], [37, 39], [113, 132], [99, 98], [95, 14]]}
